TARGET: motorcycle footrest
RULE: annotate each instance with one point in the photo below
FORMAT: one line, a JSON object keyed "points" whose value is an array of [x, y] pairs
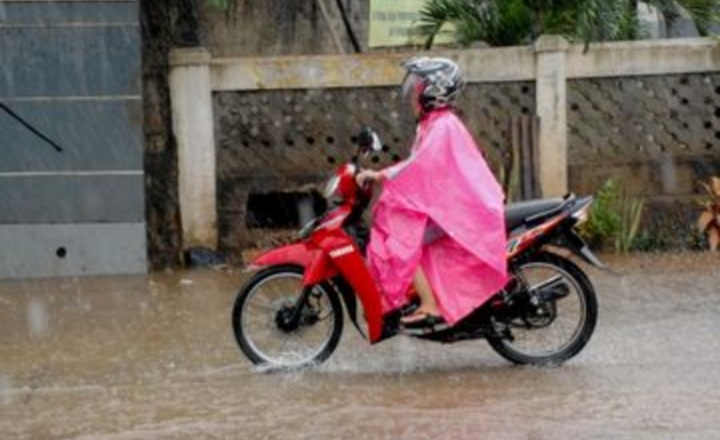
{"points": [[422, 330]]}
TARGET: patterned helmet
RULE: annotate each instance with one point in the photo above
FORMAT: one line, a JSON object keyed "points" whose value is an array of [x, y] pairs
{"points": [[439, 81]]}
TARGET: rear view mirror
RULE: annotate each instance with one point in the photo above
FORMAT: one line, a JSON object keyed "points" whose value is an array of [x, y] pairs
{"points": [[369, 140]]}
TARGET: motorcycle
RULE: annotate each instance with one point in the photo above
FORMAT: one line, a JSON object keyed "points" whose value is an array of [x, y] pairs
{"points": [[290, 312]]}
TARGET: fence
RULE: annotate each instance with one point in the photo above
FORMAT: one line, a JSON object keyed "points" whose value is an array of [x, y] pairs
{"points": [[248, 125]]}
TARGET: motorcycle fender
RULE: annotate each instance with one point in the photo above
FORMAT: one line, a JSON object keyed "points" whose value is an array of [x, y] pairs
{"points": [[318, 270], [313, 260], [348, 296], [298, 254], [578, 246]]}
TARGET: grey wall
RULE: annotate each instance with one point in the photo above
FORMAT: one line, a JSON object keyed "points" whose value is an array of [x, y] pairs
{"points": [[72, 69], [282, 27]]}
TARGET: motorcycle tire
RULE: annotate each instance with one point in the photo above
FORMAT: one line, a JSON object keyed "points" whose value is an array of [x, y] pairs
{"points": [[504, 346], [250, 348]]}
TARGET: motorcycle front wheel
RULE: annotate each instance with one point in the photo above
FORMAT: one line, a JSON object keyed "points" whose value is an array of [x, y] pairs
{"points": [[550, 314], [264, 306]]}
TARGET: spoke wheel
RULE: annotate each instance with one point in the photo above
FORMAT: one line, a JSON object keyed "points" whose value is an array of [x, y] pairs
{"points": [[262, 319], [551, 314]]}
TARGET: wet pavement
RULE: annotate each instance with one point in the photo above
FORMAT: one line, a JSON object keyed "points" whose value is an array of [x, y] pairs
{"points": [[154, 358]]}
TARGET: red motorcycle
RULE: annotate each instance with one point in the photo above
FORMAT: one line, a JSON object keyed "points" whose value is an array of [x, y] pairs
{"points": [[290, 314]]}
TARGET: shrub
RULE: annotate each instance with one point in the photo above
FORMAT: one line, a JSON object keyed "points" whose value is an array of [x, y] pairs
{"points": [[614, 219], [709, 220]]}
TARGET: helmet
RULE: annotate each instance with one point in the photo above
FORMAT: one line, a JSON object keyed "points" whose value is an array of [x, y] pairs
{"points": [[438, 81]]}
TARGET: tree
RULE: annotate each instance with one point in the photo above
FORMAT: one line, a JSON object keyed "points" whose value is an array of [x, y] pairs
{"points": [[516, 22]]}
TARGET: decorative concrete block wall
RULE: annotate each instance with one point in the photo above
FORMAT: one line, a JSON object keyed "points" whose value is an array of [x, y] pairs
{"points": [[290, 140], [640, 110], [648, 123], [656, 136]]}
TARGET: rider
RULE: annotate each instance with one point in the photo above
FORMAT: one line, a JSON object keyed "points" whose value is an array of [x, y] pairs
{"points": [[439, 223]]}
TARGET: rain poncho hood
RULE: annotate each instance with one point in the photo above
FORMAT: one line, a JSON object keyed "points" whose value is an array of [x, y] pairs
{"points": [[445, 185]]}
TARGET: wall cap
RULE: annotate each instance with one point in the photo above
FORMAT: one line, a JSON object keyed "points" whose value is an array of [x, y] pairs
{"points": [[191, 56], [551, 43]]}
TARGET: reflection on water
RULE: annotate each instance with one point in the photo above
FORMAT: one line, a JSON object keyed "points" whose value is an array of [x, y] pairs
{"points": [[5, 387], [154, 358], [38, 320]]}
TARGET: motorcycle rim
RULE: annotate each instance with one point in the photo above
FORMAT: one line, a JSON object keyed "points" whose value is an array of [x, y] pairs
{"points": [[546, 339], [261, 338]]}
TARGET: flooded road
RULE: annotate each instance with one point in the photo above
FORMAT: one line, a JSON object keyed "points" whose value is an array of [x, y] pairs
{"points": [[154, 358]]}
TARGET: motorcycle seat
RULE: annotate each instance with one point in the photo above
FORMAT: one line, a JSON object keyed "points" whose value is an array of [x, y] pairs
{"points": [[517, 214]]}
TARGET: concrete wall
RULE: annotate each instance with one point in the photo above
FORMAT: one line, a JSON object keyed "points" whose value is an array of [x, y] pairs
{"points": [[72, 70], [266, 110], [283, 27], [322, 87]]}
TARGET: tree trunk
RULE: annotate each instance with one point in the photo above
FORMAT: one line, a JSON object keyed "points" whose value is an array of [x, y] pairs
{"points": [[165, 24]]}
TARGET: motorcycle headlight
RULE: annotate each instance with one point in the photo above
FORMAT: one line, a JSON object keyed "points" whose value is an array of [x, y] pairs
{"points": [[331, 187]]}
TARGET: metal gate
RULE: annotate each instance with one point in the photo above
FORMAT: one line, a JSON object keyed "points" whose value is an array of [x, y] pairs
{"points": [[70, 75]]}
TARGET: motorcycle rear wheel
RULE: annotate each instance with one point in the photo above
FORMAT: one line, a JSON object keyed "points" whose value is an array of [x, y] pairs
{"points": [[519, 343], [264, 299]]}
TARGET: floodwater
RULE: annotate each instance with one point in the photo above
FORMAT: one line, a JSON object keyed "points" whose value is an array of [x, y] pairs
{"points": [[154, 358]]}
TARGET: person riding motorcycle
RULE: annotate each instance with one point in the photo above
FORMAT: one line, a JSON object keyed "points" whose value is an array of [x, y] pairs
{"points": [[439, 223]]}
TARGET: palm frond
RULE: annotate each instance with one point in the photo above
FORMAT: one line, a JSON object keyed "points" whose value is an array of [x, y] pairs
{"points": [[512, 22], [435, 14], [603, 20]]}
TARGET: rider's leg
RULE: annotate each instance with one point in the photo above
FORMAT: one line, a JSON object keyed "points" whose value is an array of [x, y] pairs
{"points": [[428, 305]]}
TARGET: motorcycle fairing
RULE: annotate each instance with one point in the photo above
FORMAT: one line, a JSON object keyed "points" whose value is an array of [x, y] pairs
{"points": [[345, 258], [520, 242], [331, 251]]}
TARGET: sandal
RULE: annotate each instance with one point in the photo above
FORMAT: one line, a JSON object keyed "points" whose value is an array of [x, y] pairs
{"points": [[424, 321], [416, 316]]}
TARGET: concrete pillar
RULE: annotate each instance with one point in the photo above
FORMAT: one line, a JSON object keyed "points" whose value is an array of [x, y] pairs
{"points": [[191, 102], [551, 108]]}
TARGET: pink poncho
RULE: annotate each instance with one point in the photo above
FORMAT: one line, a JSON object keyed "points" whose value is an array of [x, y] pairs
{"points": [[446, 185]]}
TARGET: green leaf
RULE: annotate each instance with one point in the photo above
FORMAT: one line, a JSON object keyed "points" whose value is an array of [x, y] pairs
{"points": [[514, 22], [218, 3]]}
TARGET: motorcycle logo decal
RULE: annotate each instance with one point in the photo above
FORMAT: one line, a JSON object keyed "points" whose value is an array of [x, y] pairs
{"points": [[339, 252]]}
